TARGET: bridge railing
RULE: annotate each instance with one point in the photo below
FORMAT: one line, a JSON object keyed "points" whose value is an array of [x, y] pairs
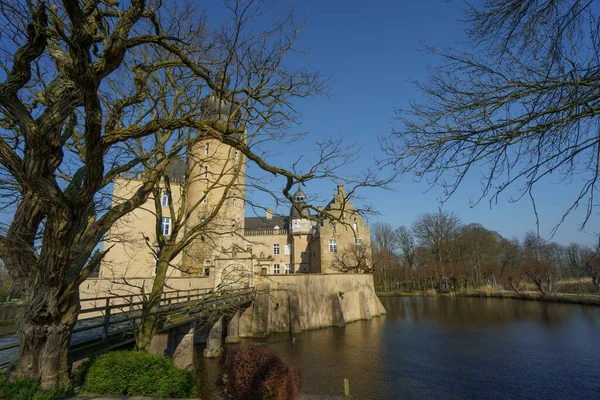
{"points": [[114, 314]]}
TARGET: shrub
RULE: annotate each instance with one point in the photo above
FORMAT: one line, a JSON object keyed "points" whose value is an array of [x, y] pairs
{"points": [[27, 389], [136, 373], [257, 374]]}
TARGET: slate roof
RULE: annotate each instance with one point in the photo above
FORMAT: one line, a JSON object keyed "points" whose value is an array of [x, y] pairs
{"points": [[264, 223]]}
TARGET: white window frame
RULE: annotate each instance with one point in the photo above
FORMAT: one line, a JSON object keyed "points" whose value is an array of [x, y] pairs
{"points": [[166, 226], [332, 246], [287, 268], [165, 199], [276, 269], [355, 226], [276, 249], [287, 249]]}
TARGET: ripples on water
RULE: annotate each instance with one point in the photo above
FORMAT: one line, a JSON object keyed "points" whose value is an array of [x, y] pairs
{"points": [[448, 348]]}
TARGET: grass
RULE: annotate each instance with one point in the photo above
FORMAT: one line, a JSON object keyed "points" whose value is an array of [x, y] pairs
{"points": [[586, 299]]}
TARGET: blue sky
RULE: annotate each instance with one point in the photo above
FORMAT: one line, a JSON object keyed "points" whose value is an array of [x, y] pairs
{"points": [[373, 52]]}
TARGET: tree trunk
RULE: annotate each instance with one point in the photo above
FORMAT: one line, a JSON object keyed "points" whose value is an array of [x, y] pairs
{"points": [[45, 335], [148, 325], [149, 319]]}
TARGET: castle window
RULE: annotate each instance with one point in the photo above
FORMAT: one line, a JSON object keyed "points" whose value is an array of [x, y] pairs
{"points": [[206, 172], [166, 226], [287, 249], [207, 149], [155, 268], [287, 269], [358, 242], [233, 201], [165, 198], [276, 269], [276, 249], [236, 154], [355, 226], [204, 197], [333, 226], [333, 246]]}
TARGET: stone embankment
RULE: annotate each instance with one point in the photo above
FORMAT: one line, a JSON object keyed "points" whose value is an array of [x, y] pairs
{"points": [[295, 303]]}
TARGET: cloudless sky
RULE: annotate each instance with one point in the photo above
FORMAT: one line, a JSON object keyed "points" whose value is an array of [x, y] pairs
{"points": [[373, 52]]}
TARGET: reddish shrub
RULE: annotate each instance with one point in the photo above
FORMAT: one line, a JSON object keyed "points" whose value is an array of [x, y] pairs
{"points": [[257, 373]]}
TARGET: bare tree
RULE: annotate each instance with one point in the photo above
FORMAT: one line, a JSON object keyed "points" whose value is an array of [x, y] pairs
{"points": [[519, 107], [406, 243], [435, 232], [383, 245], [86, 96], [355, 258], [592, 266]]}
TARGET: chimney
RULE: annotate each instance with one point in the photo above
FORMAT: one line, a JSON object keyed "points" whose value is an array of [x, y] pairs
{"points": [[269, 213], [340, 190]]}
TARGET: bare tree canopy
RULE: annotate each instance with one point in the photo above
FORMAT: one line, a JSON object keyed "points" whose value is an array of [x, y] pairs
{"points": [[520, 106]]}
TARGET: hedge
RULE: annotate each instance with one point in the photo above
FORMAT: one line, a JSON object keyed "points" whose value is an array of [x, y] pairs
{"points": [[135, 373]]}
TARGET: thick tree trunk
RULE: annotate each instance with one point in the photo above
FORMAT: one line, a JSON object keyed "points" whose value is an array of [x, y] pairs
{"points": [[45, 334], [148, 324]]}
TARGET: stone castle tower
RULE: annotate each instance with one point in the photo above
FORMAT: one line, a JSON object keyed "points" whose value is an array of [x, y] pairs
{"points": [[216, 192]]}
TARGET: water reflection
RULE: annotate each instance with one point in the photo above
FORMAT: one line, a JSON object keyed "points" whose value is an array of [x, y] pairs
{"points": [[471, 313], [450, 348]]}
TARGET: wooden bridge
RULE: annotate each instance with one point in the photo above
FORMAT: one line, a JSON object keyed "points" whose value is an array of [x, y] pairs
{"points": [[106, 323]]}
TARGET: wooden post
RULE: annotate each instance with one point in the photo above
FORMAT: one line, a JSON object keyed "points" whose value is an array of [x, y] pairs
{"points": [[106, 319], [346, 388]]}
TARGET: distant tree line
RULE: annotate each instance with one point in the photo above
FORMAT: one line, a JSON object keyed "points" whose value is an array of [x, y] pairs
{"points": [[439, 253]]}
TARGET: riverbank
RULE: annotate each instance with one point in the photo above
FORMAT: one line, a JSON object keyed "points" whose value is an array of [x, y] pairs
{"points": [[571, 298]]}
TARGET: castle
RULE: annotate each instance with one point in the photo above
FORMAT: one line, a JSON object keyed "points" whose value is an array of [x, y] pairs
{"points": [[230, 247]]}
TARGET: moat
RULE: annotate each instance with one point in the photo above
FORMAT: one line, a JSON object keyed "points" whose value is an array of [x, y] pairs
{"points": [[448, 348]]}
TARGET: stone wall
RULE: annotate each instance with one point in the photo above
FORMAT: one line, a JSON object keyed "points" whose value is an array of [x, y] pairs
{"points": [[291, 303]]}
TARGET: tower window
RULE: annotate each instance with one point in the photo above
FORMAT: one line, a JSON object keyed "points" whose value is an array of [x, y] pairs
{"points": [[333, 226], [355, 226], [207, 149], [276, 269], [358, 242], [233, 201], [165, 198], [333, 246], [206, 172], [166, 226], [204, 197], [276, 249]]}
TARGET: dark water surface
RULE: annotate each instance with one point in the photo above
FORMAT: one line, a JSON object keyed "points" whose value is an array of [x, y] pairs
{"points": [[449, 348]]}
